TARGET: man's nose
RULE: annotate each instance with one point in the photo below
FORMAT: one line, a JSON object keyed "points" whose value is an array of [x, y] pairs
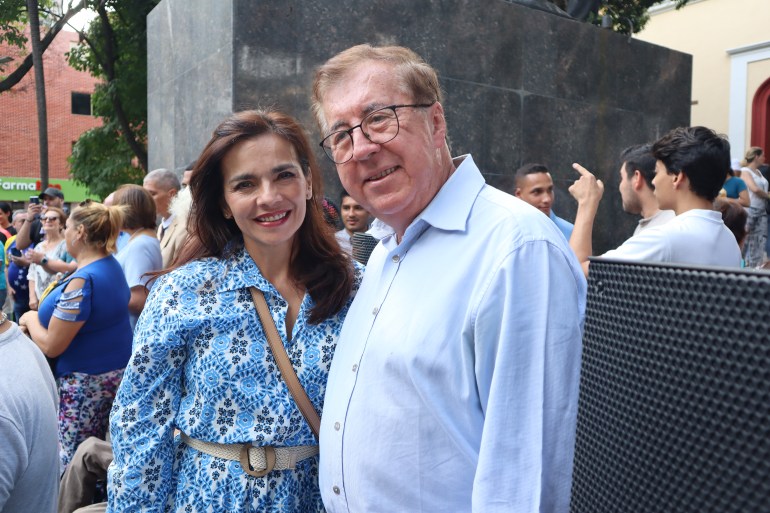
{"points": [[362, 146]]}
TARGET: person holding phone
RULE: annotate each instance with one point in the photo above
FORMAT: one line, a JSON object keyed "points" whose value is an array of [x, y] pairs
{"points": [[31, 232]]}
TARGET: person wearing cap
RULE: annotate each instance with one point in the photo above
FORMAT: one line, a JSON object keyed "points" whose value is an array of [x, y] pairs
{"points": [[31, 231]]}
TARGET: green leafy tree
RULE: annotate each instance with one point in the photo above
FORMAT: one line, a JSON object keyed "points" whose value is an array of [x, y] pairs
{"points": [[624, 16], [115, 51], [14, 19]]}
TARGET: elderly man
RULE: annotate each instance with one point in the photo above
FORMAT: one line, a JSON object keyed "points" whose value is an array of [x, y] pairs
{"points": [[163, 185], [454, 385]]}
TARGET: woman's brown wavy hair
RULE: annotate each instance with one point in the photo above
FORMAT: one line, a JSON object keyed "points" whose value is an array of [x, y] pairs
{"points": [[316, 262]]}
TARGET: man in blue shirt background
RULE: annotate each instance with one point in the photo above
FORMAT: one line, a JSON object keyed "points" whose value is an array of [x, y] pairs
{"points": [[535, 186]]}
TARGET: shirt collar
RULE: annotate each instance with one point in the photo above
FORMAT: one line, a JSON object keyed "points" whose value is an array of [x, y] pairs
{"points": [[450, 208], [240, 272], [166, 222]]}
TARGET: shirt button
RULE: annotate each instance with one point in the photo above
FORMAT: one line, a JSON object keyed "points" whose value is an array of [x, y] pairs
{"points": [[336, 490], [336, 426], [375, 310], [396, 258], [355, 367]]}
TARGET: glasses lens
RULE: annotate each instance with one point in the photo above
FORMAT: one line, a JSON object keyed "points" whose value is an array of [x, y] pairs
{"points": [[49, 219], [380, 126], [339, 146]]}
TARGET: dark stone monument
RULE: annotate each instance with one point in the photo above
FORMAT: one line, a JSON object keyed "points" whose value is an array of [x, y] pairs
{"points": [[521, 84]]}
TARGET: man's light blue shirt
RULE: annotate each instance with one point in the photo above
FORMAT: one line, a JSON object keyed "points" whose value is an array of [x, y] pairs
{"points": [[455, 381]]}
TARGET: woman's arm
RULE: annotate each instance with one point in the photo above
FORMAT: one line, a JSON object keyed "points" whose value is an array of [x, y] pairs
{"points": [[138, 299], [54, 340], [743, 198], [32, 293], [142, 420], [752, 185]]}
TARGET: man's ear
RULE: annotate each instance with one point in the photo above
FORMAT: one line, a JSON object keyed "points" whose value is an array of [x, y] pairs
{"points": [[172, 193], [638, 181], [517, 192], [438, 122], [680, 180]]}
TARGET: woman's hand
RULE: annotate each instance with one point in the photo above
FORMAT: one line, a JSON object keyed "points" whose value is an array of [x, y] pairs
{"points": [[25, 319], [21, 261], [33, 304], [35, 256]]}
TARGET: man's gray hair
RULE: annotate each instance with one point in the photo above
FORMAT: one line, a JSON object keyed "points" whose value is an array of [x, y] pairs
{"points": [[164, 179]]}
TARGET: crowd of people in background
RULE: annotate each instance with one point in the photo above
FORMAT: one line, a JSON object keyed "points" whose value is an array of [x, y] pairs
{"points": [[162, 367]]}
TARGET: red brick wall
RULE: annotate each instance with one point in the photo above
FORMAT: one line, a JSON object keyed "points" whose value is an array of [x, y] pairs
{"points": [[19, 151]]}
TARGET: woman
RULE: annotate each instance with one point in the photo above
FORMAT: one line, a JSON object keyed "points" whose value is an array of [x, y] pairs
{"points": [[734, 190], [141, 254], [753, 250], [50, 257], [84, 322], [201, 363]]}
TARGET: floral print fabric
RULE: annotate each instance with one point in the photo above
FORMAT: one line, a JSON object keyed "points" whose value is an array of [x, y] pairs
{"points": [[201, 364], [84, 409]]}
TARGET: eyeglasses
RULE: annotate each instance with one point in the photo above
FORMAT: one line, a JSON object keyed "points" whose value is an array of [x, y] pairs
{"points": [[379, 127], [49, 219]]}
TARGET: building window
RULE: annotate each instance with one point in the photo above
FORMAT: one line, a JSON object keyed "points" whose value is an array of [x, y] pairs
{"points": [[81, 103]]}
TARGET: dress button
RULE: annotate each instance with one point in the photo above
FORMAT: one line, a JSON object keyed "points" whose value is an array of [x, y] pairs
{"points": [[355, 367], [396, 258], [336, 426], [375, 310], [336, 490]]}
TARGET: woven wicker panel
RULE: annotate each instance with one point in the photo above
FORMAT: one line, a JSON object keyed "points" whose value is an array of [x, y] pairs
{"points": [[674, 409]]}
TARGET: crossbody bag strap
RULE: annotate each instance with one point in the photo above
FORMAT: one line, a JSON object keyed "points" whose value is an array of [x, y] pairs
{"points": [[283, 362]]}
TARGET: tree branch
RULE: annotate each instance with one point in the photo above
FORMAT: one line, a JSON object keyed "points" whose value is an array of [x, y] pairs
{"points": [[26, 65], [109, 70]]}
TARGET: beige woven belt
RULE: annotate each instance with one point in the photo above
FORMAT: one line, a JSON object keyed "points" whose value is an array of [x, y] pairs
{"points": [[256, 461]]}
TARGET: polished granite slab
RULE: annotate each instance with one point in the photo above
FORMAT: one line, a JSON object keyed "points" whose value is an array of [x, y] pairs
{"points": [[520, 84]]}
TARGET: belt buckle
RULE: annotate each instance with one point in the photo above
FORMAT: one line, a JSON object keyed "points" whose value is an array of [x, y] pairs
{"points": [[269, 461]]}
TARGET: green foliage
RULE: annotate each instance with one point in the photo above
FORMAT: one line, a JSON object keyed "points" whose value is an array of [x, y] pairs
{"points": [[115, 51], [101, 160], [628, 16]]}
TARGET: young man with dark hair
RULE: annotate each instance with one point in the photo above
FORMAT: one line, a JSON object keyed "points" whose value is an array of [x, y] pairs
{"points": [[689, 172], [355, 218], [637, 170], [535, 186]]}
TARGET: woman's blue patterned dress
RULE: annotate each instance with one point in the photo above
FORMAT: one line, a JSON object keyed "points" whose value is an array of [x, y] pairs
{"points": [[201, 364]]}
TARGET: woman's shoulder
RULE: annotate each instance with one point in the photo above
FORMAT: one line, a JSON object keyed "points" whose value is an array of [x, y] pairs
{"points": [[194, 274]]}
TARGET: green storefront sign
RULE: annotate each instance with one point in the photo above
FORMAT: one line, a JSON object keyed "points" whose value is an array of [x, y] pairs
{"points": [[20, 189]]}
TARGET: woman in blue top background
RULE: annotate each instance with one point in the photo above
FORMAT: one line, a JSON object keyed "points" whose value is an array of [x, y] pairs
{"points": [[734, 189], [200, 361], [84, 322]]}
